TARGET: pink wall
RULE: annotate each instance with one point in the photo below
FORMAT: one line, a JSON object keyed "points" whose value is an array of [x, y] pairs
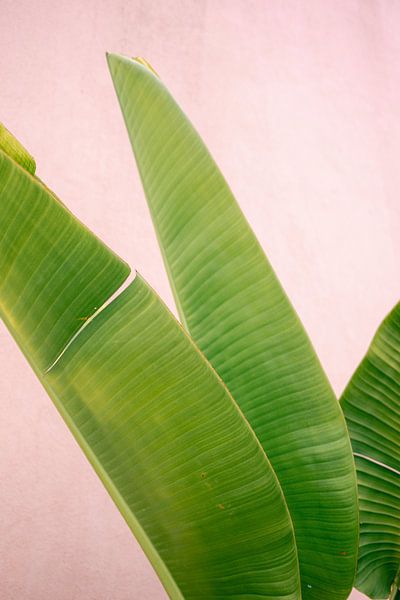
{"points": [[299, 103]]}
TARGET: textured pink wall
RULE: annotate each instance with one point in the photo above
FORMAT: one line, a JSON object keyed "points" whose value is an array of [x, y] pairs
{"points": [[299, 103]]}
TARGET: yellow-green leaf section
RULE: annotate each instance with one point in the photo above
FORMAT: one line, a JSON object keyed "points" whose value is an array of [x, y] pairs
{"points": [[371, 404], [11, 146], [153, 418], [235, 309]]}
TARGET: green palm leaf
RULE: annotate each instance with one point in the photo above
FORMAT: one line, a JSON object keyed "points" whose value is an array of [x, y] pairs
{"points": [[157, 424], [371, 404], [236, 311]]}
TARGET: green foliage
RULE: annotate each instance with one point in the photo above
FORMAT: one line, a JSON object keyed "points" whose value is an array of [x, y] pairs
{"points": [[233, 306], [223, 445], [157, 424], [15, 149], [371, 403]]}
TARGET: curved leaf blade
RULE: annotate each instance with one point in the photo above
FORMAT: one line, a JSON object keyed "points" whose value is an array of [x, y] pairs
{"points": [[157, 424], [236, 311], [371, 404], [182, 458]]}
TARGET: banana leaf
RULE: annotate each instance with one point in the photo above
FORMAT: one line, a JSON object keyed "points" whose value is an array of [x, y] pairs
{"points": [[234, 307], [158, 425], [371, 404]]}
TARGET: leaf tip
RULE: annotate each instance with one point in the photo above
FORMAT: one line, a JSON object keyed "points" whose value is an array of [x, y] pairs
{"points": [[15, 150], [115, 60]]}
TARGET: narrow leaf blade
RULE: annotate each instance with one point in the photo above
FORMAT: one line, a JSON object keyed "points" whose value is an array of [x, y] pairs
{"points": [[235, 309]]}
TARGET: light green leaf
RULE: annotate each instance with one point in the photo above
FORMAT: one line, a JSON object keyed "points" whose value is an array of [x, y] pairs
{"points": [[371, 404], [235, 309], [54, 273], [153, 418], [11, 146]]}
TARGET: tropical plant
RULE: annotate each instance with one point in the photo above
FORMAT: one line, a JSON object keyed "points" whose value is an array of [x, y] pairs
{"points": [[226, 450], [371, 404]]}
